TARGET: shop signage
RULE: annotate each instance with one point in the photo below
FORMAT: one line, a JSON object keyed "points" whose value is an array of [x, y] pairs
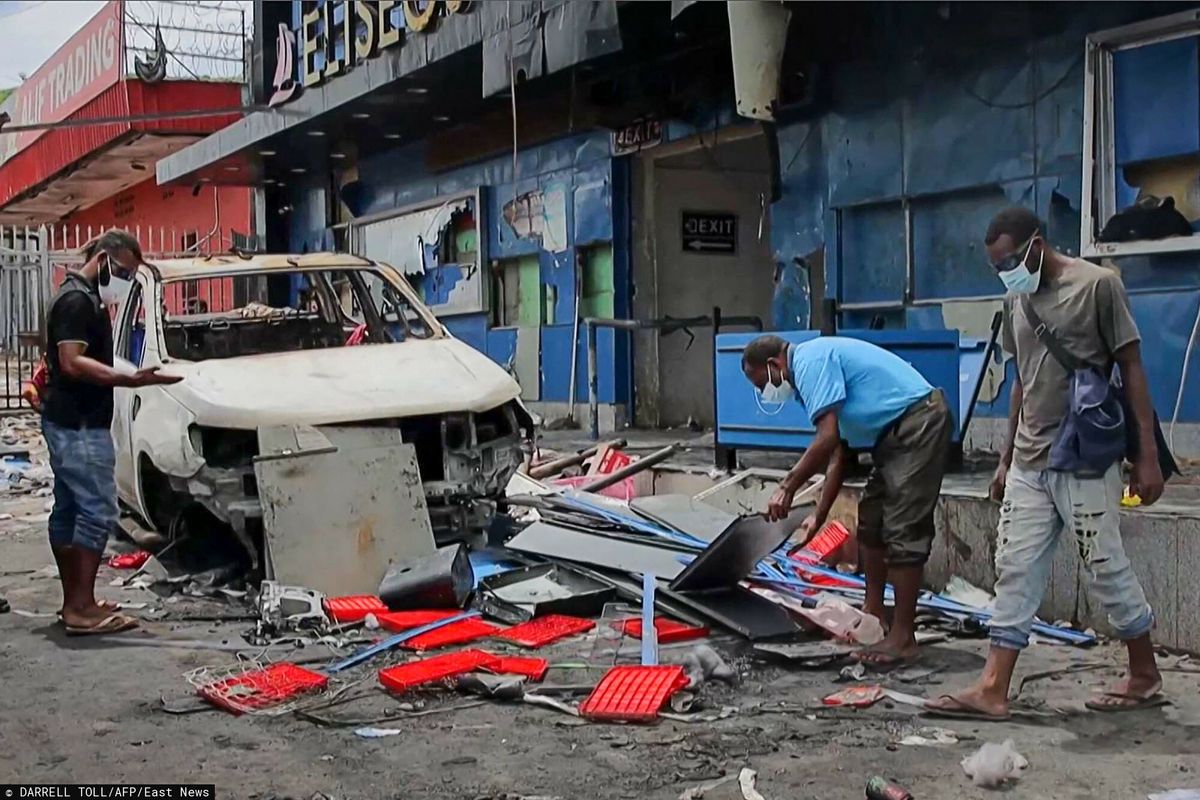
{"points": [[360, 29], [78, 72], [638, 135], [709, 232]]}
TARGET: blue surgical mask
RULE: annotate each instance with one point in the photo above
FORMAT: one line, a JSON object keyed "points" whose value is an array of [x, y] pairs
{"points": [[1019, 280], [776, 393]]}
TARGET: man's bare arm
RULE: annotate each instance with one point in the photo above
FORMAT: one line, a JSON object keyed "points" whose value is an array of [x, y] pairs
{"points": [[835, 474], [1147, 480], [79, 367], [815, 458]]}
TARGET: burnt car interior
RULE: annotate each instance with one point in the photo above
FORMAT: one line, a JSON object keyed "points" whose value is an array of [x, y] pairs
{"points": [[213, 318]]}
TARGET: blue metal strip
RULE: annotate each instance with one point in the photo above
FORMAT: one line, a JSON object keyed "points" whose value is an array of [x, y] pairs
{"points": [[395, 641]]}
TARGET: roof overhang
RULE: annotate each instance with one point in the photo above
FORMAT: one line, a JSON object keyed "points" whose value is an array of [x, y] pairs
{"points": [[71, 168]]}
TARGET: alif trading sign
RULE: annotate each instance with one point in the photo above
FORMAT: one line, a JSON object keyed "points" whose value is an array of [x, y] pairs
{"points": [[334, 36]]}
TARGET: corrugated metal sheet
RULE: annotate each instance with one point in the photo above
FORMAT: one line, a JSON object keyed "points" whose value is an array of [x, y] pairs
{"points": [[60, 149]]}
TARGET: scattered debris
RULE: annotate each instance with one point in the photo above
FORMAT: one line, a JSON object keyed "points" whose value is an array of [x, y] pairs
{"points": [[855, 696], [929, 737], [698, 792], [994, 765], [747, 781], [880, 788], [377, 733], [258, 690], [633, 694]]}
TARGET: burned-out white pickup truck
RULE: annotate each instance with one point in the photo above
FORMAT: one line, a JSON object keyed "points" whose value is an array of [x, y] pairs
{"points": [[309, 340]]}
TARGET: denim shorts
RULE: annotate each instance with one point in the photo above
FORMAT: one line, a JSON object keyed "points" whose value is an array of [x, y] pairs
{"points": [[84, 463]]}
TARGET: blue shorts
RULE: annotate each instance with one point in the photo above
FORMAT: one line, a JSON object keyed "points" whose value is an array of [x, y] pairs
{"points": [[84, 463]]}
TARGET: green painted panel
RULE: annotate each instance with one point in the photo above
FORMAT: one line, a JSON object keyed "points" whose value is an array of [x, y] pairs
{"points": [[598, 293], [529, 291]]}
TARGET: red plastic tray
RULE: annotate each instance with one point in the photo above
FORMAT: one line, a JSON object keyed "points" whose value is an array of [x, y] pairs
{"points": [[262, 688], [353, 608], [467, 630], [533, 668], [633, 694], [669, 630], [403, 677], [544, 630], [827, 542], [397, 621]]}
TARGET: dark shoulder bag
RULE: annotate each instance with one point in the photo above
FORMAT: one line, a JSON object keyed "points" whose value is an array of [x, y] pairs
{"points": [[1097, 430]]}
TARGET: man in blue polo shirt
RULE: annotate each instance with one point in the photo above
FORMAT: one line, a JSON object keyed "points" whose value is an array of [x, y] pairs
{"points": [[861, 396]]}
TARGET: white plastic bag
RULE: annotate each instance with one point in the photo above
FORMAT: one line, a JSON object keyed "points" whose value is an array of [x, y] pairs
{"points": [[846, 622], [993, 765]]}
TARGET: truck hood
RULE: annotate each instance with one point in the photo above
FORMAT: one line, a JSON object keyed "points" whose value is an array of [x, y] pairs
{"points": [[344, 384]]}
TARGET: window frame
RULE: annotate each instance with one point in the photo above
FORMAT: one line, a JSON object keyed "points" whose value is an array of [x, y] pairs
{"points": [[1099, 139]]}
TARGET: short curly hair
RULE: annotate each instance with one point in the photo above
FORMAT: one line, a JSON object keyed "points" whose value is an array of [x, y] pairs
{"points": [[1017, 221]]}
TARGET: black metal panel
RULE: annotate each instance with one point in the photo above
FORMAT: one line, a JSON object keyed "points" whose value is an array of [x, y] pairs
{"points": [[735, 553], [740, 610]]}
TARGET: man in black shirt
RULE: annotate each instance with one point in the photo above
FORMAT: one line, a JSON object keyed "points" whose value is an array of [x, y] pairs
{"points": [[76, 415]]}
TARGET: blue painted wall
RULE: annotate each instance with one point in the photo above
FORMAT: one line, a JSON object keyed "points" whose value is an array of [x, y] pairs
{"points": [[927, 118], [955, 129]]}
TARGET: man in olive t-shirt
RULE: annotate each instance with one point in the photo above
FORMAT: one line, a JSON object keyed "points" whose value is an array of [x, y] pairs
{"points": [[1086, 308]]}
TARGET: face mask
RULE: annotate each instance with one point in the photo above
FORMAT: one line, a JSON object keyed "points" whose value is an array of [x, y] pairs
{"points": [[1019, 280], [113, 289], [771, 393]]}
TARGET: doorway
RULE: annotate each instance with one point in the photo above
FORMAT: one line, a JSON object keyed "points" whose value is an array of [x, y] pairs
{"points": [[702, 239]]}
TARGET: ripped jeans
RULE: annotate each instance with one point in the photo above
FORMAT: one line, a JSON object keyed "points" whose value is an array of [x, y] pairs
{"points": [[1037, 507]]}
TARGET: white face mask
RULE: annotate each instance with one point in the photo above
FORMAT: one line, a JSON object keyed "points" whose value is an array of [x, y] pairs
{"points": [[776, 393], [113, 290]]}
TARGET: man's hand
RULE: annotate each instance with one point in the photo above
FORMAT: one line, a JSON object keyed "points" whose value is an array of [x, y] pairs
{"points": [[781, 503], [808, 528], [1146, 481], [999, 478], [152, 377]]}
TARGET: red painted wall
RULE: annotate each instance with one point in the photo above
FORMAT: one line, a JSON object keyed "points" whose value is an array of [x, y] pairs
{"points": [[163, 217]]}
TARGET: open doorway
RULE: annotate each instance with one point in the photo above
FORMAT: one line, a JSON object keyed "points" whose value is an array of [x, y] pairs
{"points": [[702, 239]]}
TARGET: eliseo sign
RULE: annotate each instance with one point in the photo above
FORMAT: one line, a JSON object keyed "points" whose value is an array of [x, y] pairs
{"points": [[78, 72], [362, 29]]}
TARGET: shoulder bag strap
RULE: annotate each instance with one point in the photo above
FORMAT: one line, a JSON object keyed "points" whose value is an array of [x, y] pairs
{"points": [[1046, 336]]}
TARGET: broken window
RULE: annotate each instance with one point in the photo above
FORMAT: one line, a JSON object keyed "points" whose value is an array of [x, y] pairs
{"points": [[518, 297], [1141, 138], [325, 309], [435, 246], [131, 341]]}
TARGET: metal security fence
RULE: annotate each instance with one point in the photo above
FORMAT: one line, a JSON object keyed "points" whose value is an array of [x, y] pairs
{"points": [[33, 262]]}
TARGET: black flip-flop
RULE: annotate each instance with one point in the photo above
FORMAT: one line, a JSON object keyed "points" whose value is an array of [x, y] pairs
{"points": [[1139, 703], [964, 711]]}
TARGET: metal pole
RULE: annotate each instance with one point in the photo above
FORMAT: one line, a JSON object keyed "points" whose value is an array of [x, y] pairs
{"points": [[641, 464], [559, 464], [593, 383]]}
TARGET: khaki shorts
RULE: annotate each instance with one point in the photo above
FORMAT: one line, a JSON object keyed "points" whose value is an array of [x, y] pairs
{"points": [[896, 510]]}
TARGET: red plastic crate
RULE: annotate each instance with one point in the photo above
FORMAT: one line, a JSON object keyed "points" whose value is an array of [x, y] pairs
{"points": [[467, 630], [397, 621], [669, 630], [533, 668], [827, 542], [403, 677], [263, 688], [633, 693], [354, 608], [544, 630]]}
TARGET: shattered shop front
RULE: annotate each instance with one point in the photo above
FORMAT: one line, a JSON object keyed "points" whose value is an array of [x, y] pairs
{"points": [[508, 265]]}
